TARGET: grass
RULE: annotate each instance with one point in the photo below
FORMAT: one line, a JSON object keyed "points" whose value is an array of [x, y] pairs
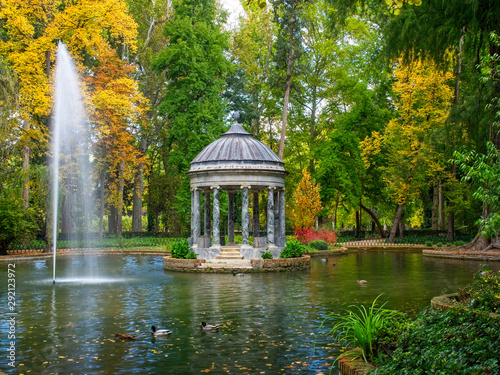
{"points": [[360, 326]]}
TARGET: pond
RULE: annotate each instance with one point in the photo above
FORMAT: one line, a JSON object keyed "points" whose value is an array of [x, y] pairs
{"points": [[268, 321]]}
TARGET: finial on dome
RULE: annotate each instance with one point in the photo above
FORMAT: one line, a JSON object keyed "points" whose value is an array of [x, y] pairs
{"points": [[236, 117]]}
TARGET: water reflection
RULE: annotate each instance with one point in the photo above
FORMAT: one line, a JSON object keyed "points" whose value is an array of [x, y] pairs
{"points": [[268, 321]]}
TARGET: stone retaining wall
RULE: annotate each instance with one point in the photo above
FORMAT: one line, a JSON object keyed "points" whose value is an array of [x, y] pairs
{"points": [[286, 264], [257, 265], [341, 250], [463, 254], [449, 301], [351, 363], [181, 264]]}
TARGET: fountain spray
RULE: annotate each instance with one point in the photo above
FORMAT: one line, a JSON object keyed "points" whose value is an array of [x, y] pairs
{"points": [[70, 148]]}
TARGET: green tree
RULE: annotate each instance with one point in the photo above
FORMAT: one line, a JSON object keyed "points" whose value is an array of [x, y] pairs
{"points": [[195, 66]]}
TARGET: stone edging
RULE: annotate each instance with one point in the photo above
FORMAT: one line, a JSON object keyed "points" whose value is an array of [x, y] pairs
{"points": [[449, 301], [256, 265], [354, 366], [463, 254], [342, 250]]}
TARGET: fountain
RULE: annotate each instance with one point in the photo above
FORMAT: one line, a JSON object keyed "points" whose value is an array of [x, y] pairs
{"points": [[70, 153]]}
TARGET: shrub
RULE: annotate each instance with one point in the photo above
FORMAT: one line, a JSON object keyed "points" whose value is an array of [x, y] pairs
{"points": [[305, 236], [452, 342], [459, 243], [266, 254], [181, 250], [483, 293], [428, 243], [318, 245], [17, 224], [293, 249], [439, 244]]}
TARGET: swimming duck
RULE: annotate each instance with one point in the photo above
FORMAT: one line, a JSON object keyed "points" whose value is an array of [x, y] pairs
{"points": [[361, 281], [125, 336], [160, 332], [237, 274], [208, 327]]}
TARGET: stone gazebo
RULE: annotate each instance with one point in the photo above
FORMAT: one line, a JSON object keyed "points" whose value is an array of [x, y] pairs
{"points": [[237, 161]]}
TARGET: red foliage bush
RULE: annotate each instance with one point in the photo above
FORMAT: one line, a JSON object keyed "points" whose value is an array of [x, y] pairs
{"points": [[307, 235]]}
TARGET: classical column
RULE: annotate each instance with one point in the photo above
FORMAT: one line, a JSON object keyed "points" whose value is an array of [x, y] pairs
{"points": [[245, 217], [255, 205], [192, 215], [270, 216], [230, 218], [282, 217], [207, 219], [216, 218], [276, 215], [196, 217]]}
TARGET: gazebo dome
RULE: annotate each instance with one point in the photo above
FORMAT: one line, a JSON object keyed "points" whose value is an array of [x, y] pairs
{"points": [[237, 159]]}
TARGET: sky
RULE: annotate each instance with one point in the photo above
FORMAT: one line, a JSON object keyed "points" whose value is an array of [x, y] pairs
{"points": [[234, 7]]}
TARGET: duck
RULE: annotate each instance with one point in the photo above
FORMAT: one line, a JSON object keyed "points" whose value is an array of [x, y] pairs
{"points": [[238, 274], [208, 327], [324, 259], [125, 336], [160, 332], [361, 281]]}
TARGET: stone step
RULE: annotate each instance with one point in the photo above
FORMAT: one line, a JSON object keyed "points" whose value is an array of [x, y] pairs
{"points": [[236, 256]]}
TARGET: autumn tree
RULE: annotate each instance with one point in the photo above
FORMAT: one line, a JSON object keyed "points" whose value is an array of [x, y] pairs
{"points": [[423, 103], [116, 109], [150, 18], [307, 203], [89, 28]]}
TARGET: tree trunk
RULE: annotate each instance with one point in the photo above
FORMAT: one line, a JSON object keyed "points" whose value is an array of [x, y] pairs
{"points": [[119, 208], [312, 129], [451, 209], [287, 90], [395, 225], [137, 198], [49, 238], [374, 219], [26, 164], [435, 207], [67, 209], [102, 202], [442, 217]]}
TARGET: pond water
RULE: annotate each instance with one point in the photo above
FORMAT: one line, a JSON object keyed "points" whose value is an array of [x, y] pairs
{"points": [[268, 321]]}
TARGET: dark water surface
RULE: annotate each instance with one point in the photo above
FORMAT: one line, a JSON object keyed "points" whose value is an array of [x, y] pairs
{"points": [[269, 321]]}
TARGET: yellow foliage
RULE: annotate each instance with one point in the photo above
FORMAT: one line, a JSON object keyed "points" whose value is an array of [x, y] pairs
{"points": [[307, 203], [424, 103], [33, 30], [370, 146]]}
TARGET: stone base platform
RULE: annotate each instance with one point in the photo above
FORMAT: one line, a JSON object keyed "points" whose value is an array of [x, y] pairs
{"points": [[238, 265]]}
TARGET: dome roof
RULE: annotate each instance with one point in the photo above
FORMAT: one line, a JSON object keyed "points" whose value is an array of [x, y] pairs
{"points": [[236, 150], [236, 146]]}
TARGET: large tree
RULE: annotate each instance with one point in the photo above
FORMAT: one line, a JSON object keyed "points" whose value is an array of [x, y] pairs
{"points": [[195, 67]]}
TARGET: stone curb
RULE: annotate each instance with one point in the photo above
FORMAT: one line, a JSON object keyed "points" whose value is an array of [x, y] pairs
{"points": [[448, 301], [342, 250], [256, 265], [354, 366], [463, 254]]}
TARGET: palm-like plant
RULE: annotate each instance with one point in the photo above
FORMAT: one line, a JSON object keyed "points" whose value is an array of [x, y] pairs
{"points": [[359, 327]]}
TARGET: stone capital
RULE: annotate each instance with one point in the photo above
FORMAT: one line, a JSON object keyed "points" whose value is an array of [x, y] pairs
{"points": [[245, 186], [215, 187], [271, 187]]}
